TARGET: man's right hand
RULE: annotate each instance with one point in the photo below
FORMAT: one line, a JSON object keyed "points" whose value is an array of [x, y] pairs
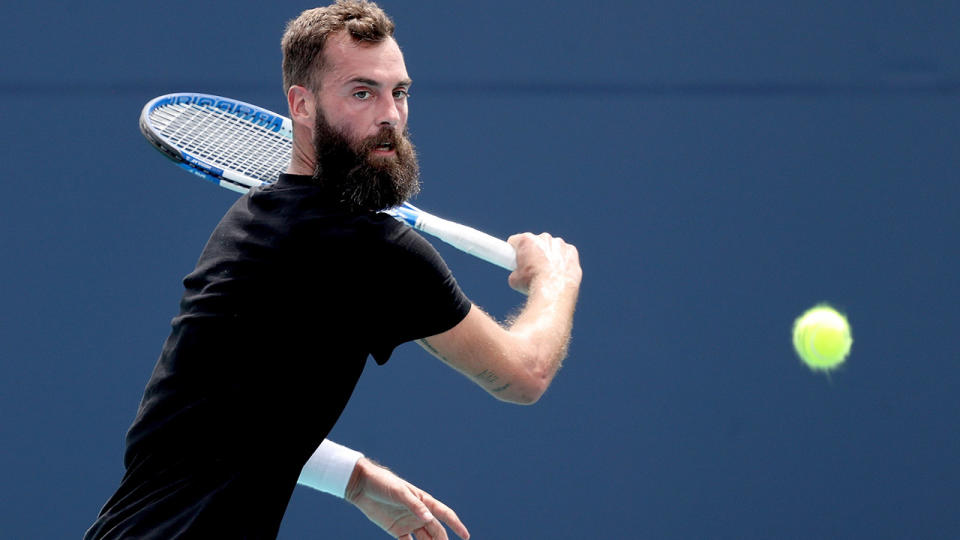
{"points": [[544, 257]]}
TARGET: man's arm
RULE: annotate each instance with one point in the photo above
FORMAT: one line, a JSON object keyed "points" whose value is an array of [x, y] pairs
{"points": [[393, 504], [516, 363]]}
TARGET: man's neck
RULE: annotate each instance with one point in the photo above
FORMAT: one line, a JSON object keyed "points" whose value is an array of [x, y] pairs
{"points": [[302, 156], [300, 165]]}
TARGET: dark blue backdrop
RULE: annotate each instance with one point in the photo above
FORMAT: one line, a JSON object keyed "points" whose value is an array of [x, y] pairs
{"points": [[721, 167]]}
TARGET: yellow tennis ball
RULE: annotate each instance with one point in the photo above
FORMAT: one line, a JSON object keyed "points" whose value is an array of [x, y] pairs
{"points": [[821, 337]]}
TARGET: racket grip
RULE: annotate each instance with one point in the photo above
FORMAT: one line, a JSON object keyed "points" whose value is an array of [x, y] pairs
{"points": [[469, 240]]}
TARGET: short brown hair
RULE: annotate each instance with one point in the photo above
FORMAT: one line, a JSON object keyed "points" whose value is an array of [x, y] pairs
{"points": [[306, 35]]}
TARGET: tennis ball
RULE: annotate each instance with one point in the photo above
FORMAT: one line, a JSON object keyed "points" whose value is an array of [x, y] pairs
{"points": [[821, 337]]}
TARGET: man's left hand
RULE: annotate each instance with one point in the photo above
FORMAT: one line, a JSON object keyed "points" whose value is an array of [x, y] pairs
{"points": [[398, 507]]}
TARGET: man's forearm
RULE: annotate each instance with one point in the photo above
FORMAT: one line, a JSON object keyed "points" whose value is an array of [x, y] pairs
{"points": [[516, 362], [546, 322]]}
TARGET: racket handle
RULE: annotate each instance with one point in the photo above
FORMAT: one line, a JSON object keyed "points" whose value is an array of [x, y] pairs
{"points": [[469, 240]]}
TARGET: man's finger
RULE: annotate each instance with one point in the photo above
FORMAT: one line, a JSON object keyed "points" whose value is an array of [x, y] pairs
{"points": [[445, 514], [435, 530], [408, 498], [425, 533]]}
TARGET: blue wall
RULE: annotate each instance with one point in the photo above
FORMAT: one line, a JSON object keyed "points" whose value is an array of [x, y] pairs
{"points": [[721, 167]]}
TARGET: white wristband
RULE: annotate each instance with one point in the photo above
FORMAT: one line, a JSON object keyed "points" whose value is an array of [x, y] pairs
{"points": [[329, 468]]}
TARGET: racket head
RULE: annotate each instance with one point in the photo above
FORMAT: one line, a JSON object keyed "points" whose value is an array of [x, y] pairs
{"points": [[232, 143]]}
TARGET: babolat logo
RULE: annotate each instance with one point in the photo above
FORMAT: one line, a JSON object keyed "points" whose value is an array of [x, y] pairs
{"points": [[245, 112]]}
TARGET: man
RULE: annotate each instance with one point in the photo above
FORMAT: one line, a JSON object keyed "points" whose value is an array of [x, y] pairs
{"points": [[298, 284]]}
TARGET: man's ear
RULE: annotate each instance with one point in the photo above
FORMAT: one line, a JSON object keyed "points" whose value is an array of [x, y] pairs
{"points": [[302, 105]]}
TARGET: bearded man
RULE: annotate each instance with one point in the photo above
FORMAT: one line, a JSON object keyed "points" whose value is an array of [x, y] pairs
{"points": [[299, 284]]}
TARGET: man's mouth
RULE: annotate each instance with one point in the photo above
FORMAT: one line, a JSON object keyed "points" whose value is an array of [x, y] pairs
{"points": [[383, 147]]}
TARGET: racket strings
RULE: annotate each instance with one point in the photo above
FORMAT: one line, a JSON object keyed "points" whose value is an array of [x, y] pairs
{"points": [[224, 140]]}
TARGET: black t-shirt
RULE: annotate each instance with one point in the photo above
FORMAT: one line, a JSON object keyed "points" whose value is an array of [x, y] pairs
{"points": [[288, 299]]}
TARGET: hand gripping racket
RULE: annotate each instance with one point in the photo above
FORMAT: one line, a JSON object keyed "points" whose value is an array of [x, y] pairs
{"points": [[240, 146]]}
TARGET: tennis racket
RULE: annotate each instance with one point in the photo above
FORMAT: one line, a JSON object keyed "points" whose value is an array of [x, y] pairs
{"points": [[240, 146]]}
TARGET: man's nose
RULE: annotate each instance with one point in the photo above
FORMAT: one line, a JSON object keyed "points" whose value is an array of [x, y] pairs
{"points": [[389, 114]]}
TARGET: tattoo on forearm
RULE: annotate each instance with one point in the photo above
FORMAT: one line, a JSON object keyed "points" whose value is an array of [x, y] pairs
{"points": [[426, 345], [488, 377]]}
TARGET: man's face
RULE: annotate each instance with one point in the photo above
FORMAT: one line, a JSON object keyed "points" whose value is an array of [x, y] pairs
{"points": [[362, 148], [363, 88]]}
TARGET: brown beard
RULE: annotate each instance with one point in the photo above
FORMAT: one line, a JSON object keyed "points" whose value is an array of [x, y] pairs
{"points": [[358, 179]]}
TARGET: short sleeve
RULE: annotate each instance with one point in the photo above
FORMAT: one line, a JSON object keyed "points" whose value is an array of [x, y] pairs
{"points": [[419, 297]]}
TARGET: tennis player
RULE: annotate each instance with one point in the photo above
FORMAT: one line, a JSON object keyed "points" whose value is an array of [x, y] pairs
{"points": [[300, 282]]}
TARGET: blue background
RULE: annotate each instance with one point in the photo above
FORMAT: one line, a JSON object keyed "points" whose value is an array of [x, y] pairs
{"points": [[721, 166]]}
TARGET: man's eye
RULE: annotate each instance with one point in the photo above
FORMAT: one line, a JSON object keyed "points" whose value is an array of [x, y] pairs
{"points": [[401, 94], [362, 94]]}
